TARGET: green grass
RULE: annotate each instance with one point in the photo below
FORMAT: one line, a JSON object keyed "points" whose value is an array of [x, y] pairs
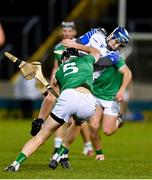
{"points": [[128, 154]]}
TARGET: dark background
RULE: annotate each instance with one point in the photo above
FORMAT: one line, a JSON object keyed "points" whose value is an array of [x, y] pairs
{"points": [[15, 14]]}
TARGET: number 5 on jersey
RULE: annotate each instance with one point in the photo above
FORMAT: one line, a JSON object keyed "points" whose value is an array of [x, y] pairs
{"points": [[70, 68]]}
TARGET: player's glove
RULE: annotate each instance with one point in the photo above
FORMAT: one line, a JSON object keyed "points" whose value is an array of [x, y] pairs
{"points": [[36, 126]]}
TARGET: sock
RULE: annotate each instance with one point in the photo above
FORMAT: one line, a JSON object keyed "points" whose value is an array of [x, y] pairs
{"points": [[62, 150], [66, 153], [57, 142], [20, 158], [88, 145], [99, 151], [60, 153], [55, 150]]}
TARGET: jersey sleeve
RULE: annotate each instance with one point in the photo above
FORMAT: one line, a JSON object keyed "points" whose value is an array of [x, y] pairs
{"points": [[103, 61], [57, 57], [121, 63], [114, 57], [86, 37], [58, 47]]}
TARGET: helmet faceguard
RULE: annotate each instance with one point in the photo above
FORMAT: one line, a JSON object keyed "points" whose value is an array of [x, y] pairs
{"points": [[121, 35]]}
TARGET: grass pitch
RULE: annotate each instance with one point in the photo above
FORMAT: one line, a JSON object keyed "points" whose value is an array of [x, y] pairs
{"points": [[128, 154]]}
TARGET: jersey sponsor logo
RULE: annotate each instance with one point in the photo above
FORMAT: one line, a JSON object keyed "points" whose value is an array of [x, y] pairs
{"points": [[70, 68], [102, 46]]}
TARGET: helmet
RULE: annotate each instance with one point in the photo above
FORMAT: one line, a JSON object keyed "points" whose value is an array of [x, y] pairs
{"points": [[122, 35], [69, 24], [70, 52]]}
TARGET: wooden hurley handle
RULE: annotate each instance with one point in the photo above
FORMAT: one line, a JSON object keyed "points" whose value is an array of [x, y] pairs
{"points": [[17, 61], [11, 57]]}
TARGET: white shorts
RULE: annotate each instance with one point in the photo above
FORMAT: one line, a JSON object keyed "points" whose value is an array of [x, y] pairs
{"points": [[74, 103], [109, 107]]}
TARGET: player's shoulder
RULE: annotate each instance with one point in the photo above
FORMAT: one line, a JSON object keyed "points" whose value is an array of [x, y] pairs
{"points": [[89, 57], [100, 32], [98, 36], [95, 32]]}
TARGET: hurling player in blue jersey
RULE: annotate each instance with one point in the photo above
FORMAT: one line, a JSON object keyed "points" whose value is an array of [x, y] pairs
{"points": [[110, 48]]}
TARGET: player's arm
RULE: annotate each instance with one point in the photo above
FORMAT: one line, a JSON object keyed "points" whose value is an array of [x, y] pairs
{"points": [[127, 76], [111, 59], [2, 36], [84, 39], [55, 85], [55, 67], [90, 50], [48, 101], [45, 109]]}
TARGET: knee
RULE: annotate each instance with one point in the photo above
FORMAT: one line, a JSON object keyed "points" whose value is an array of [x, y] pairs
{"points": [[107, 131]]}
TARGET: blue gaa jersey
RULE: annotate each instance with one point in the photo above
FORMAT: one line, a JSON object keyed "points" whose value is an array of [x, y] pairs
{"points": [[97, 39]]}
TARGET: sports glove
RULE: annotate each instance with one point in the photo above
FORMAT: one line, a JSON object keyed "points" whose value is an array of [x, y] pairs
{"points": [[36, 126]]}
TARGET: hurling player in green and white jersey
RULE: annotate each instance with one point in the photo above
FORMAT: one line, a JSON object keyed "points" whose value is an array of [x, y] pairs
{"points": [[67, 31], [75, 79], [109, 87]]}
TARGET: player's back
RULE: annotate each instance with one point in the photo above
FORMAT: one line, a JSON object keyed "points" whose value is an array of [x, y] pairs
{"points": [[76, 72]]}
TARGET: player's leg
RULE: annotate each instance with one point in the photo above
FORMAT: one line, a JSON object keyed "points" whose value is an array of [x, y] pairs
{"points": [[58, 139], [59, 134], [109, 124], [110, 121], [85, 133], [76, 108], [32, 145], [95, 123], [69, 137]]}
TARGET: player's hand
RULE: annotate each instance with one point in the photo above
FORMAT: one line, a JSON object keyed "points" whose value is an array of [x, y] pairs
{"points": [[69, 43], [120, 96], [36, 126]]}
